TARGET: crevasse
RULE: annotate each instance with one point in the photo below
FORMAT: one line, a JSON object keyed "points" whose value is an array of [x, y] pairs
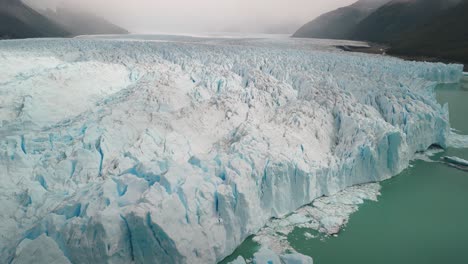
{"points": [[175, 151]]}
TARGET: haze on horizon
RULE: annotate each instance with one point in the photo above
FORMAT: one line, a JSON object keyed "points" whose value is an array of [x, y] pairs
{"points": [[246, 16]]}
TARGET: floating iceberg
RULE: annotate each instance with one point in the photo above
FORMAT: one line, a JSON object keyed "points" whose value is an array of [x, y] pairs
{"points": [[456, 160], [117, 151]]}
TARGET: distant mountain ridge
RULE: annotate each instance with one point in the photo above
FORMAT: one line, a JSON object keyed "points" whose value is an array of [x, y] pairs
{"points": [[19, 20], [444, 36], [427, 28], [391, 21], [80, 22], [340, 23]]}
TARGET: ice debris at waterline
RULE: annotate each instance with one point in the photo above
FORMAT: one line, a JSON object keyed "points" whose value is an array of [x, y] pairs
{"points": [[327, 215], [428, 155], [116, 151], [266, 256]]}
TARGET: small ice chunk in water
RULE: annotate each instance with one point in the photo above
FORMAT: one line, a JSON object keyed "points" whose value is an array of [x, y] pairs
{"points": [[296, 258], [266, 256], [238, 260]]}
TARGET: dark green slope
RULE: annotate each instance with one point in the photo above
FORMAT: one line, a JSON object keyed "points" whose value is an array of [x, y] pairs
{"points": [[17, 20], [444, 36], [332, 26], [412, 28], [391, 22], [11, 27], [340, 23]]}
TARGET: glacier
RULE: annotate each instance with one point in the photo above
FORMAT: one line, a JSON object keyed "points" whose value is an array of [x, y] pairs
{"points": [[176, 149]]}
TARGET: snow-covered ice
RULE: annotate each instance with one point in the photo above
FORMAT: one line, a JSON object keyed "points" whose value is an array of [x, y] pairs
{"points": [[174, 151]]}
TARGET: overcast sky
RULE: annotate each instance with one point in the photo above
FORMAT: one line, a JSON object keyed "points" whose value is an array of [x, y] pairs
{"points": [[146, 16]]}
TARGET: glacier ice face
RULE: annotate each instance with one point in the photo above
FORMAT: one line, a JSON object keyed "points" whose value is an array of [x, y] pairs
{"points": [[174, 151]]}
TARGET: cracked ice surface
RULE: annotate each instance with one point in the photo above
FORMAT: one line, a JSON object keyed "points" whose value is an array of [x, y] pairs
{"points": [[113, 151]]}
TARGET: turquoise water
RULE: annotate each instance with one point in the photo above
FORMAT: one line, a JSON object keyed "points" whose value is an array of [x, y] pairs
{"points": [[421, 216]]}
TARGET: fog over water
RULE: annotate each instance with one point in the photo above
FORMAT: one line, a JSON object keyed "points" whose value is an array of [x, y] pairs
{"points": [[150, 16]]}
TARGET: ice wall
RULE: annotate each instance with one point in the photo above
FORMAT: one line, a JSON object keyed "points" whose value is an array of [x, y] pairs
{"points": [[118, 151]]}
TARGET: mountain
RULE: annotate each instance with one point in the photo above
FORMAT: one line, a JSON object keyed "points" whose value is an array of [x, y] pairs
{"points": [[412, 28], [340, 23], [394, 20], [18, 20], [444, 36], [420, 28], [80, 22]]}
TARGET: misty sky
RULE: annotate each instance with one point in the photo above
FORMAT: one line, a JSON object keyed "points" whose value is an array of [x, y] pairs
{"points": [[147, 16]]}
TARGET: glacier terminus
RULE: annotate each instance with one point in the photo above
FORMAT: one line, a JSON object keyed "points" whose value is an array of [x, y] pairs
{"points": [[175, 149]]}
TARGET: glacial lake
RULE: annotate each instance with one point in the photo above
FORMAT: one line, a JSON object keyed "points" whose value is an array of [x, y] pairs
{"points": [[420, 218]]}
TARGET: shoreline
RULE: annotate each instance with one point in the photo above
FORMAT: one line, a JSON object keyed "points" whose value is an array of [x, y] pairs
{"points": [[381, 49]]}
